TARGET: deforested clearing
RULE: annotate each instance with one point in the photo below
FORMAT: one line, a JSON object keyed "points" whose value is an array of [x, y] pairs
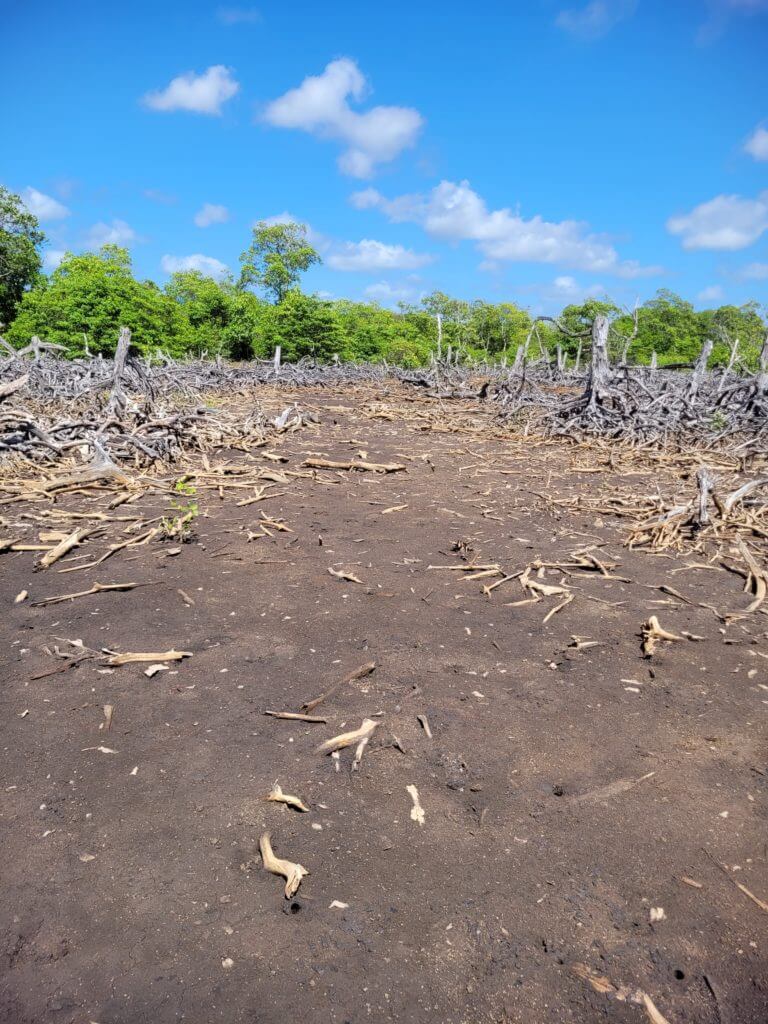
{"points": [[476, 676]]}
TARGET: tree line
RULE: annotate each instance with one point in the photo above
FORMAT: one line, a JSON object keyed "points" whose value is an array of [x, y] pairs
{"points": [[84, 301]]}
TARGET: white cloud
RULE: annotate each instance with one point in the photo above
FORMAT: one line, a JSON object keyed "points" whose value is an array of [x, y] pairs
{"points": [[754, 272], [238, 15], [370, 255], [595, 19], [210, 213], [115, 233], [388, 294], [455, 212], [42, 206], [155, 195], [320, 106], [725, 222], [205, 264], [713, 293], [757, 144], [202, 94], [52, 259]]}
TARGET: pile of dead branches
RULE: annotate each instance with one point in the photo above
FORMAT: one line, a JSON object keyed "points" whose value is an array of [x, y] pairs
{"points": [[104, 414], [639, 403]]}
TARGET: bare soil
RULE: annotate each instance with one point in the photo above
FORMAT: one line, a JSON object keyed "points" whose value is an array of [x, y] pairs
{"points": [[568, 791]]}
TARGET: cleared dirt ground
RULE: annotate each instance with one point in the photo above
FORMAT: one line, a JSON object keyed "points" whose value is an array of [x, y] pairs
{"points": [[568, 791]]}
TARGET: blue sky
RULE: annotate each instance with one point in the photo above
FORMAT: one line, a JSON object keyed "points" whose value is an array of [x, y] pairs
{"points": [[532, 152]]}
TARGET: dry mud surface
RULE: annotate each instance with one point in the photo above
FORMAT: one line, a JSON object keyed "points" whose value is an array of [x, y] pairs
{"points": [[587, 811]]}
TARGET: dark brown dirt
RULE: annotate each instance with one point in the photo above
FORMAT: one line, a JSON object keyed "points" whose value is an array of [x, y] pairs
{"points": [[526, 863]]}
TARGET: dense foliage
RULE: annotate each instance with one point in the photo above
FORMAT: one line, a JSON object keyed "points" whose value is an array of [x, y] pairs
{"points": [[20, 241], [89, 296]]}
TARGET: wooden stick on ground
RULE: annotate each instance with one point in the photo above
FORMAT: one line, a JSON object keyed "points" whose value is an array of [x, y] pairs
{"points": [[358, 673], [97, 588]]}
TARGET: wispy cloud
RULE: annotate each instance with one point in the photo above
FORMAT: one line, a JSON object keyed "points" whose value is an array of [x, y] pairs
{"points": [[754, 272], [454, 212], [712, 293], [369, 255], [595, 19], [117, 232], [200, 94], [211, 213], [389, 294], [155, 195], [727, 222], [42, 206], [206, 265], [52, 259], [321, 107], [721, 12], [238, 15], [757, 144]]}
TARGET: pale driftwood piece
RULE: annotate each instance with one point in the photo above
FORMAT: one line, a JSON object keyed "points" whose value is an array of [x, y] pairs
{"points": [[346, 739], [295, 716], [126, 659], [365, 467], [292, 873], [13, 386], [64, 546]]}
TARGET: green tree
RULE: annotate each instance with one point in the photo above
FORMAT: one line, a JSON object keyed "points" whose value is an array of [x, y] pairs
{"points": [[303, 326], [277, 257], [207, 306], [20, 241], [89, 297]]}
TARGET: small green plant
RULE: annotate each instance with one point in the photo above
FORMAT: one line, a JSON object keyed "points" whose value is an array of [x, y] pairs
{"points": [[179, 525], [719, 421]]}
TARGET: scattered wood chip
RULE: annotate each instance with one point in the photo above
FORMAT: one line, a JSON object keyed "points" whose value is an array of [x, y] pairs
{"points": [[691, 881], [21, 597], [654, 1015], [393, 508], [417, 811], [109, 713], [337, 905], [424, 723], [293, 873], [101, 750], [348, 576], [154, 669], [278, 796], [652, 632]]}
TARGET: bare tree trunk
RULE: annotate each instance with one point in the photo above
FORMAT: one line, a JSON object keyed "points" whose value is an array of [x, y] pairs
{"points": [[761, 380], [519, 357], [654, 360], [117, 400], [600, 370], [700, 368], [439, 336], [577, 365], [278, 352], [729, 367]]}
